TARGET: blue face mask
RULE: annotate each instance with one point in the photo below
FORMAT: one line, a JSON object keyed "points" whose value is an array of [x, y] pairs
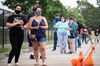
{"points": [[38, 13], [58, 19]]}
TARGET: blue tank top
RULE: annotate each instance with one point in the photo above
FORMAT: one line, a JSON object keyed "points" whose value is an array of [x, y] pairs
{"points": [[40, 32]]}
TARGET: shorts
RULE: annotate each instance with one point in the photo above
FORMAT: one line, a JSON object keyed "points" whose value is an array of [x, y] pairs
{"points": [[41, 39]]}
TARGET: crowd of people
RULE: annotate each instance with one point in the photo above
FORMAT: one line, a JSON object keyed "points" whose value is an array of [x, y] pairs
{"points": [[67, 33], [71, 34]]}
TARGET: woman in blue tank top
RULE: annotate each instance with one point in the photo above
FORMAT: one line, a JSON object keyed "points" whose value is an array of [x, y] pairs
{"points": [[38, 32], [38, 24]]}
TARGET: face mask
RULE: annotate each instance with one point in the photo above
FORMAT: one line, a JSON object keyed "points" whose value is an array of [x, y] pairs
{"points": [[71, 21], [17, 11], [57, 18], [38, 13]]}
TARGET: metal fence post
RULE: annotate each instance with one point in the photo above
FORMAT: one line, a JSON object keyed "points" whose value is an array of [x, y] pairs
{"points": [[3, 31]]}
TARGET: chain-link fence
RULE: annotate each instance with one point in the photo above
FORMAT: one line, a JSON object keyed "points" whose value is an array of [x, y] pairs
{"points": [[4, 32]]}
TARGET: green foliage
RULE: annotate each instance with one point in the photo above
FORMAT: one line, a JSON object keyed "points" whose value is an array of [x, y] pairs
{"points": [[53, 8], [26, 4], [76, 14], [98, 2], [2, 50], [49, 7], [86, 13], [90, 13]]}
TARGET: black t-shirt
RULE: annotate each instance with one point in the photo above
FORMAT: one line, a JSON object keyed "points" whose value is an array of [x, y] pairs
{"points": [[16, 29]]}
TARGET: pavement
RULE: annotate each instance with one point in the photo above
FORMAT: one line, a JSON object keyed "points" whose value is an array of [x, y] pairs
{"points": [[55, 58]]}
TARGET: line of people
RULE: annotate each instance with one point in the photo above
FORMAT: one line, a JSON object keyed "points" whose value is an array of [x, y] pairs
{"points": [[66, 31], [70, 34]]}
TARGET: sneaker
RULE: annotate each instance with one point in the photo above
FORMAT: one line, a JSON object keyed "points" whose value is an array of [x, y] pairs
{"points": [[53, 49], [73, 51], [17, 64], [70, 52], [9, 64], [32, 57], [65, 52]]}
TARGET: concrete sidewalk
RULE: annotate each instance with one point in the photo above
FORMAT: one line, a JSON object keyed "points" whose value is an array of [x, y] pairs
{"points": [[54, 58]]}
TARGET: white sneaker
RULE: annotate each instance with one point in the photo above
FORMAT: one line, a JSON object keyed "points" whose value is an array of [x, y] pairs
{"points": [[17, 64], [9, 64]]}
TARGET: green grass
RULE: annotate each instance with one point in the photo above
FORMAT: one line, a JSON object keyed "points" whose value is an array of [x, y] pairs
{"points": [[2, 50], [50, 42], [24, 46]]}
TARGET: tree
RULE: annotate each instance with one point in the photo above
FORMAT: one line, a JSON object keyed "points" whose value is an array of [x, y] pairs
{"points": [[55, 7], [74, 12], [26, 4], [90, 14], [49, 7], [98, 2]]}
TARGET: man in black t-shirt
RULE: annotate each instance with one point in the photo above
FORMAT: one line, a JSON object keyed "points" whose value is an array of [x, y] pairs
{"points": [[15, 23]]}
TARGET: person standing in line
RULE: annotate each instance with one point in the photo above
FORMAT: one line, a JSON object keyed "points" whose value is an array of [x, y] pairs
{"points": [[38, 24], [89, 35], [84, 35], [57, 18], [68, 32], [80, 26], [96, 33], [73, 33], [78, 37], [62, 34], [15, 23]]}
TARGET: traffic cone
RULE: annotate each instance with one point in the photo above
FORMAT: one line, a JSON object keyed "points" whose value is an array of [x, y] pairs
{"points": [[89, 61], [74, 62], [79, 61]]}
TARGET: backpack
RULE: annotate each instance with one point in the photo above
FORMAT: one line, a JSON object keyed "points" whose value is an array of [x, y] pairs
{"points": [[73, 33]]}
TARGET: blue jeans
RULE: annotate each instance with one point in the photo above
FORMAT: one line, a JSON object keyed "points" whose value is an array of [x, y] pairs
{"points": [[55, 40], [77, 42], [62, 40], [84, 38]]}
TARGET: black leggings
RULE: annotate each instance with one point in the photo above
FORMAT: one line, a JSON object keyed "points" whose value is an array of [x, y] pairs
{"points": [[16, 44]]}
